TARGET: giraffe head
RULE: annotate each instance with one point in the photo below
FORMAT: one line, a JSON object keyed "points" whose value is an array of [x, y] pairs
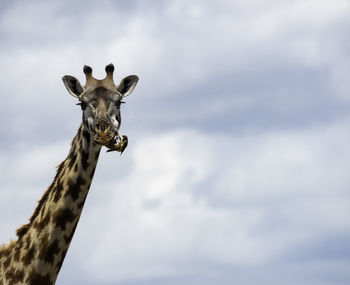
{"points": [[100, 101]]}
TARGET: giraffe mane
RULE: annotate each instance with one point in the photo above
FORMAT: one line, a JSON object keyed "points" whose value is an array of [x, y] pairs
{"points": [[21, 231], [6, 248], [24, 228]]}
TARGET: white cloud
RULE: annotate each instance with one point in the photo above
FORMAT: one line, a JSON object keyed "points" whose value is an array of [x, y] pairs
{"points": [[227, 200]]}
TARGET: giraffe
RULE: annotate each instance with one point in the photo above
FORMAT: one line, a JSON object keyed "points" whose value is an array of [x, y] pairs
{"points": [[36, 257]]}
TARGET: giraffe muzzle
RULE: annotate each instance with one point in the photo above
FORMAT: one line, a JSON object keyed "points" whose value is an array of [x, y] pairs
{"points": [[104, 135]]}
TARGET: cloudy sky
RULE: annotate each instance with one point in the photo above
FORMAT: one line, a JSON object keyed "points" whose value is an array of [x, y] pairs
{"points": [[239, 128]]}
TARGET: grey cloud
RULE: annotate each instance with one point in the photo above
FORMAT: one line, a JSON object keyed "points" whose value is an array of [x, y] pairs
{"points": [[238, 130], [223, 78]]}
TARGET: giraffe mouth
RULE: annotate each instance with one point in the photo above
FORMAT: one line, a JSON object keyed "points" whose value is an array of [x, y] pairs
{"points": [[106, 136]]}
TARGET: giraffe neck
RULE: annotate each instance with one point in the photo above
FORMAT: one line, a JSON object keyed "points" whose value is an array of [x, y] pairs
{"points": [[36, 257]]}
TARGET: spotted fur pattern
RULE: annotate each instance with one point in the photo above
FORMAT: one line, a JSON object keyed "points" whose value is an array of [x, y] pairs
{"points": [[37, 255]]}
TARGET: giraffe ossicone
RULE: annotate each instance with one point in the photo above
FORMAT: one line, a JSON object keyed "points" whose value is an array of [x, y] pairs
{"points": [[36, 257]]}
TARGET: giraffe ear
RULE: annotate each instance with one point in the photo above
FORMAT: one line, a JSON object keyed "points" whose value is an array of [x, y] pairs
{"points": [[127, 85], [73, 86]]}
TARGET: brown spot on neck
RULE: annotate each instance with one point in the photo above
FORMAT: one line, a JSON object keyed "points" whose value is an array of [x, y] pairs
{"points": [[62, 217], [38, 279], [29, 256]]}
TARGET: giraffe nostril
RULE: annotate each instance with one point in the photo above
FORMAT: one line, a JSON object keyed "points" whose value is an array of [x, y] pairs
{"points": [[101, 126]]}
